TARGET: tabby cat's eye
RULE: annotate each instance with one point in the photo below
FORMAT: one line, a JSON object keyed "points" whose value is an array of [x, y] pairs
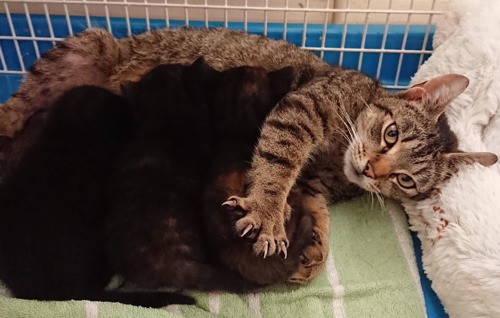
{"points": [[391, 135], [405, 181]]}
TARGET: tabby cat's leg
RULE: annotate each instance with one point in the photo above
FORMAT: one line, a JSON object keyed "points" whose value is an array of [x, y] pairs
{"points": [[84, 59], [314, 256], [290, 134]]}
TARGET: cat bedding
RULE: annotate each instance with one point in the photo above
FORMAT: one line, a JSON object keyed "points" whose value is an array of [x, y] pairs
{"points": [[387, 287], [459, 225]]}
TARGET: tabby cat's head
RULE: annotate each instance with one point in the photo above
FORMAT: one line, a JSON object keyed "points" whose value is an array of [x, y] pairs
{"points": [[403, 146]]}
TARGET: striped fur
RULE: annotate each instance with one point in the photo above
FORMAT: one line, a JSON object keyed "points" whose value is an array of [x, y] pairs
{"points": [[326, 132]]}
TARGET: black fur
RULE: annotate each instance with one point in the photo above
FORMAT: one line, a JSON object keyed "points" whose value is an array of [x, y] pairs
{"points": [[154, 228], [116, 181], [53, 206]]}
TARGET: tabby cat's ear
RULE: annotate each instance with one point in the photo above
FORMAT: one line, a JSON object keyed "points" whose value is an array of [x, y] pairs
{"points": [[484, 158], [437, 92], [280, 81]]}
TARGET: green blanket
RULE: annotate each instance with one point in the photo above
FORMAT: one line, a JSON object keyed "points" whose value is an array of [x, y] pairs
{"points": [[371, 272]]}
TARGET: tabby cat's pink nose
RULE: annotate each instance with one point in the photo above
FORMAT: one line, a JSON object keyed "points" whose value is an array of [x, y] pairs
{"points": [[368, 171]]}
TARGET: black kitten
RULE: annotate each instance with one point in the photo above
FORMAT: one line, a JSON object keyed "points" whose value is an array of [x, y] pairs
{"points": [[154, 225], [244, 98], [53, 206]]}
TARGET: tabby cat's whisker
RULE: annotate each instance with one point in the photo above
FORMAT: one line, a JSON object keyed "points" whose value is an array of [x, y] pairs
{"points": [[351, 123], [380, 200], [371, 192], [374, 190], [345, 144], [343, 116], [372, 200], [347, 140], [348, 128], [366, 104]]}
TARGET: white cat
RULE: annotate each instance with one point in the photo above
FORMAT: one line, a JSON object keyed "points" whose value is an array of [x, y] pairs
{"points": [[460, 225]]}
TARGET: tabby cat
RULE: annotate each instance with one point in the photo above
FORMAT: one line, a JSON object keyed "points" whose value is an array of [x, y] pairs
{"points": [[339, 126], [240, 103], [53, 206]]}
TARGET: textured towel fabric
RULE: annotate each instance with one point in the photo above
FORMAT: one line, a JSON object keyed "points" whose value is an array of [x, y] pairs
{"points": [[370, 272]]}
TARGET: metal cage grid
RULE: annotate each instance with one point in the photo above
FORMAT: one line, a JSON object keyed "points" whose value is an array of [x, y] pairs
{"points": [[387, 39]]}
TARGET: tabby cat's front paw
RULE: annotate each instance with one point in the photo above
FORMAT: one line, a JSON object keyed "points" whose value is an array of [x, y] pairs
{"points": [[314, 256], [316, 253], [266, 221], [313, 259]]}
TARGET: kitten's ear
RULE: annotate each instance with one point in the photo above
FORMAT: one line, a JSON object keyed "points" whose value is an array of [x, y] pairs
{"points": [[280, 81], [438, 92], [484, 158], [128, 90], [200, 63], [204, 71]]}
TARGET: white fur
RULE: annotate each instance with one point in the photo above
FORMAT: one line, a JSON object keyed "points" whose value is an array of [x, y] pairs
{"points": [[459, 230], [460, 226], [468, 43]]}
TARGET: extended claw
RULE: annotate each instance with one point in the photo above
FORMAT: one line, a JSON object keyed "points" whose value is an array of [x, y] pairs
{"points": [[282, 248], [230, 204], [246, 230], [266, 248]]}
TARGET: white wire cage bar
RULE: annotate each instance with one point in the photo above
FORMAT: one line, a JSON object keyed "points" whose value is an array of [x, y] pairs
{"points": [[387, 39]]}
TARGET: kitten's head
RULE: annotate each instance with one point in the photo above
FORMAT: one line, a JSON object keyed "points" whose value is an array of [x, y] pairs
{"points": [[404, 146], [245, 96], [95, 112], [171, 89], [169, 84]]}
